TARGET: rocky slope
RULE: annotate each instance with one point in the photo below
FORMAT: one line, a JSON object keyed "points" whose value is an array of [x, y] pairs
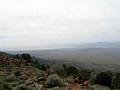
{"points": [[21, 73]]}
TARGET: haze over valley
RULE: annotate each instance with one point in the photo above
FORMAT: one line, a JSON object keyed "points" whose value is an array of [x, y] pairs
{"points": [[104, 53]]}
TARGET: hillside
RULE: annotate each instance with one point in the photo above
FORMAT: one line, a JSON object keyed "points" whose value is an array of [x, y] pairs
{"points": [[23, 72]]}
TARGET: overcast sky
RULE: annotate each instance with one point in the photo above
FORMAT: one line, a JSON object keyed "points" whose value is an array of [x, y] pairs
{"points": [[38, 24]]}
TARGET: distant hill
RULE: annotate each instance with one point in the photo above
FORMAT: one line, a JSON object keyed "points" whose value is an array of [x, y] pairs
{"points": [[115, 45], [6, 54]]}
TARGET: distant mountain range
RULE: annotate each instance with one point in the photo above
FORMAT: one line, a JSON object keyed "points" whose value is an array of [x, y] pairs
{"points": [[98, 45]]}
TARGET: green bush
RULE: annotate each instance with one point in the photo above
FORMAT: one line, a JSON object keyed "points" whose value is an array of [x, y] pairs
{"points": [[84, 75], [54, 80], [21, 87], [11, 78], [67, 71], [61, 72], [103, 79], [26, 56], [40, 66], [5, 86], [72, 71], [24, 87], [116, 81]]}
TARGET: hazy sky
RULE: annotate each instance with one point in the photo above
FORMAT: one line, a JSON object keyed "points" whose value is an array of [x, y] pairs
{"points": [[33, 24]]}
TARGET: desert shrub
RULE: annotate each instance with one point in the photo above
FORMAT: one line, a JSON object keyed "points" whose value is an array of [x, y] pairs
{"points": [[61, 72], [5, 86], [67, 71], [110, 73], [17, 73], [26, 56], [37, 64], [95, 73], [92, 77], [54, 80], [24, 87], [43, 67], [17, 56], [103, 79], [116, 81], [21, 87], [11, 78], [40, 66], [2, 77], [84, 75], [71, 70]]}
